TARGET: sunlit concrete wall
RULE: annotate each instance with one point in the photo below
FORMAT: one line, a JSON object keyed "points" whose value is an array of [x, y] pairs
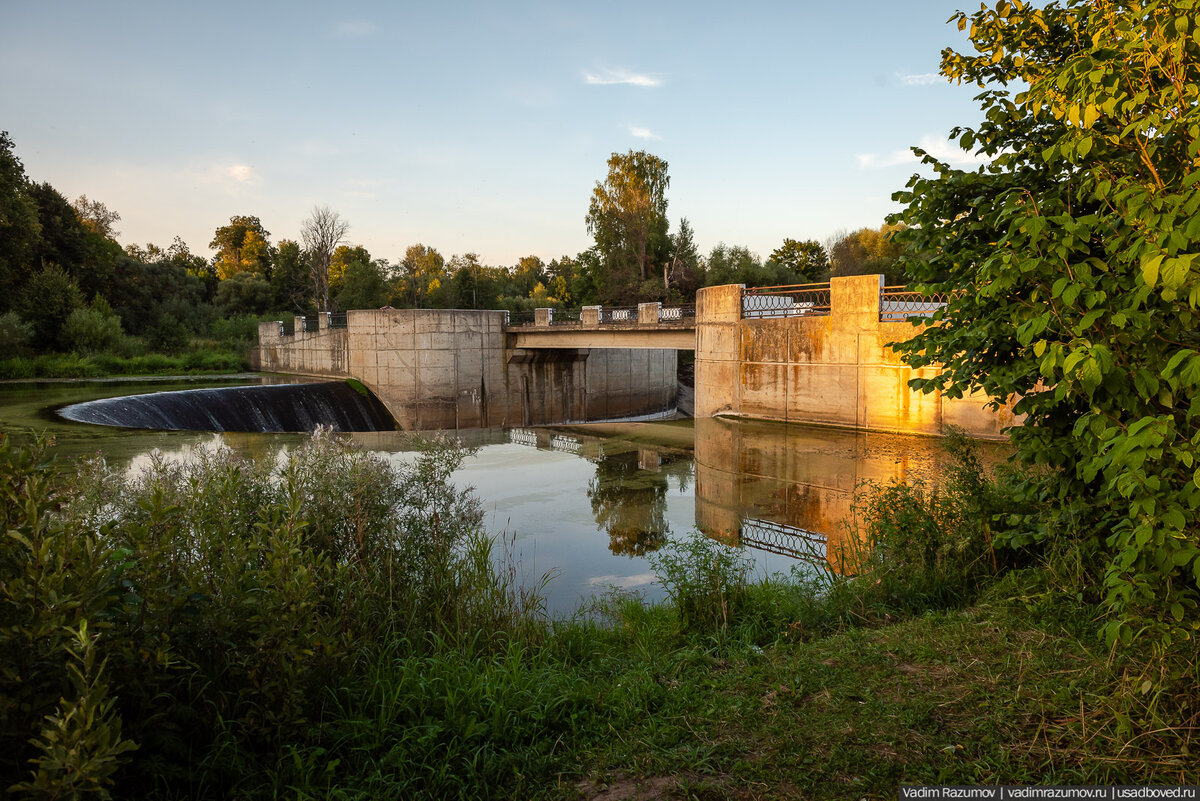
{"points": [[437, 368], [833, 370]]}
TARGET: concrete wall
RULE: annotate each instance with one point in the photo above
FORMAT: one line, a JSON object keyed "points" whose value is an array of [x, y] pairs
{"points": [[451, 369], [833, 370]]}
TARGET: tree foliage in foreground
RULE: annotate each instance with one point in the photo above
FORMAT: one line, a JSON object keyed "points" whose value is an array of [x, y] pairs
{"points": [[1076, 252]]}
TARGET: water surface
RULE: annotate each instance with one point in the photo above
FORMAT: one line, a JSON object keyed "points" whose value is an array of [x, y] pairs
{"points": [[586, 504]]}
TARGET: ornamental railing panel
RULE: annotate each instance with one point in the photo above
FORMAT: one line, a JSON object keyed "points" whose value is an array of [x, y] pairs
{"points": [[565, 317], [337, 320], [897, 303], [677, 314], [796, 300], [619, 316]]}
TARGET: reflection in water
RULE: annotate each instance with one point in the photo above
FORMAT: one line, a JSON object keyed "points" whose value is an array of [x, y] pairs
{"points": [[628, 492], [630, 504], [784, 540], [790, 488]]}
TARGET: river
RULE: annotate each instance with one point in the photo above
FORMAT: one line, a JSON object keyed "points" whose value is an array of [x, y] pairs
{"points": [[582, 504]]}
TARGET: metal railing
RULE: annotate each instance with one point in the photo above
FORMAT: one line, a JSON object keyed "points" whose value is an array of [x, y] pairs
{"points": [[627, 315], [287, 328], [797, 300], [677, 314], [565, 316], [311, 324], [337, 320], [518, 318], [897, 303]]}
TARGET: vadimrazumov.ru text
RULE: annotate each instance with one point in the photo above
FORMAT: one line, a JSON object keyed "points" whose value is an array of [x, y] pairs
{"points": [[1000, 793]]}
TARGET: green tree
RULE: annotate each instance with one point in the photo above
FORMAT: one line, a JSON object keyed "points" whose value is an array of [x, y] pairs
{"points": [[342, 257], [628, 218], [683, 272], [807, 259], [243, 293], [865, 252], [528, 273], [423, 271], [363, 285], [243, 246], [19, 226], [46, 302], [291, 282], [97, 217], [1073, 256], [471, 286], [61, 240]]}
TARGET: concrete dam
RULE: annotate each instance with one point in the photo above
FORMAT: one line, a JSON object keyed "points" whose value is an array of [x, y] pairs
{"points": [[815, 354]]}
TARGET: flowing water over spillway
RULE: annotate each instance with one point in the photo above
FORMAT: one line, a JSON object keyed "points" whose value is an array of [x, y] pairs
{"points": [[264, 409]]}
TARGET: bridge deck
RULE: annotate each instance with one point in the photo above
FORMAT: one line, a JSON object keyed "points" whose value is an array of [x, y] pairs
{"points": [[671, 336]]}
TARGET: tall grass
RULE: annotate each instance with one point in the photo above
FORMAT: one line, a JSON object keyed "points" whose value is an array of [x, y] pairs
{"points": [[228, 602]]}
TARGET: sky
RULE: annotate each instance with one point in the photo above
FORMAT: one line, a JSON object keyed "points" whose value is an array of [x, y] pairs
{"points": [[478, 126]]}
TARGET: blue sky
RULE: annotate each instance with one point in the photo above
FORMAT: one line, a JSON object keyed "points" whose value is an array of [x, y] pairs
{"points": [[477, 126]]}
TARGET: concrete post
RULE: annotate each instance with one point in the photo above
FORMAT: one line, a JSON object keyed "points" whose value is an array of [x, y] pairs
{"points": [[854, 302], [648, 313], [298, 325], [718, 382], [589, 316], [543, 317], [323, 321]]}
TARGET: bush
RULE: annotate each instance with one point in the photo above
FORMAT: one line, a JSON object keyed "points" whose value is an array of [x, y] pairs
{"points": [[46, 303], [706, 581], [210, 609], [15, 333], [90, 330], [167, 333]]}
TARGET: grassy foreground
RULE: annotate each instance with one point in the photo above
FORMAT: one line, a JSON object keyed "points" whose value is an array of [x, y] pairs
{"points": [[329, 626]]}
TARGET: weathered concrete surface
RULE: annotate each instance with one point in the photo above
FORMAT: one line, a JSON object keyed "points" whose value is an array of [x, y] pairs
{"points": [[454, 369], [833, 370]]}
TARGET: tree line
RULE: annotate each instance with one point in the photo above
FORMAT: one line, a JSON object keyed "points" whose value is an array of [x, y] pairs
{"points": [[67, 284]]}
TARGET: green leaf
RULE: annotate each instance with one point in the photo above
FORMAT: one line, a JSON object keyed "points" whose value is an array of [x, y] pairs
{"points": [[1150, 270]]}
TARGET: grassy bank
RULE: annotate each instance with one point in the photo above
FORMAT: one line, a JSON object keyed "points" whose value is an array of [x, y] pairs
{"points": [[329, 626], [69, 365]]}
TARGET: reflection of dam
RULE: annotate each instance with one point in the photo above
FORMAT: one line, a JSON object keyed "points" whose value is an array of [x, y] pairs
{"points": [[778, 488], [790, 488]]}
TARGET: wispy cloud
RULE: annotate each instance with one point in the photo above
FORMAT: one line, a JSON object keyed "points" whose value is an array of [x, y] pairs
{"points": [[242, 173], [942, 149], [612, 77], [642, 133], [923, 79], [355, 28], [624, 582], [231, 178]]}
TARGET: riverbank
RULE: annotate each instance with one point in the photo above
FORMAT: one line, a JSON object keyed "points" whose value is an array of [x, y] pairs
{"points": [[324, 624]]}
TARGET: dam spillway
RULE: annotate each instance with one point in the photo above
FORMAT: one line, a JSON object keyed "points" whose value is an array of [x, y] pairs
{"points": [[267, 409]]}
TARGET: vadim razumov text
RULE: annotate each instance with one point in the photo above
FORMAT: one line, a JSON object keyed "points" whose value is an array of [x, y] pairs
{"points": [[1014, 792]]}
